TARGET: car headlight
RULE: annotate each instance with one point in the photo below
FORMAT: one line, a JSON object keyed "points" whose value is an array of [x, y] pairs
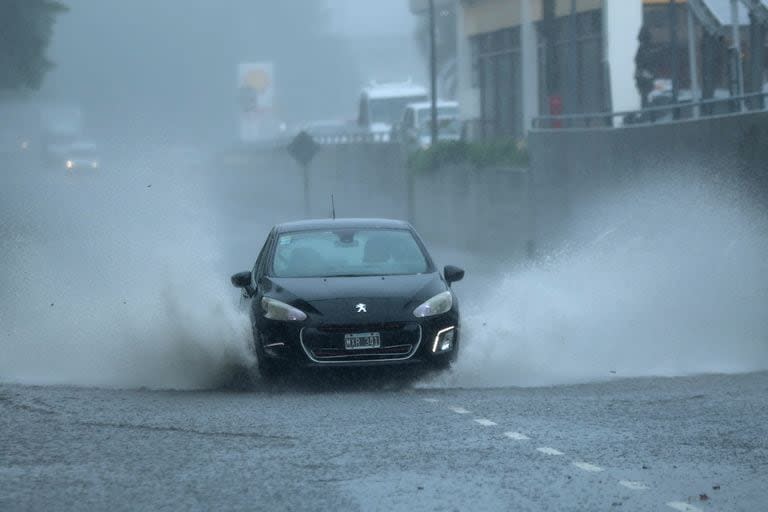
{"points": [[276, 310], [444, 340], [70, 164], [437, 305]]}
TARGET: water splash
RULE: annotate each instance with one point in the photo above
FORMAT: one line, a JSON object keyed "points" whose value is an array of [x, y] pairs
{"points": [[673, 281]]}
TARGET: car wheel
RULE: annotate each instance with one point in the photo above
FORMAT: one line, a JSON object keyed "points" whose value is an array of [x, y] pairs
{"points": [[441, 363], [269, 369]]}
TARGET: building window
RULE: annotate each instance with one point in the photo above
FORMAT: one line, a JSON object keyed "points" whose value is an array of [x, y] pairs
{"points": [[496, 72], [574, 78]]}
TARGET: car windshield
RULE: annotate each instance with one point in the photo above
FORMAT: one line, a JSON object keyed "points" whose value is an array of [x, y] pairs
{"points": [[445, 126], [348, 252], [425, 114], [390, 110]]}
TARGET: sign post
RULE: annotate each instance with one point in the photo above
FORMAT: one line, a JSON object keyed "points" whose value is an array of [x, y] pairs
{"points": [[303, 149]]}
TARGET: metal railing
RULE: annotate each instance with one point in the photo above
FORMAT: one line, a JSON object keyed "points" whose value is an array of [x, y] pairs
{"points": [[355, 137], [682, 110]]}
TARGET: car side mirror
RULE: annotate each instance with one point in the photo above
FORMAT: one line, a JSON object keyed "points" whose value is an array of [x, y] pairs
{"points": [[241, 280], [453, 274]]}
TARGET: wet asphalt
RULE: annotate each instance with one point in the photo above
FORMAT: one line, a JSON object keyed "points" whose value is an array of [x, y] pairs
{"points": [[361, 443]]}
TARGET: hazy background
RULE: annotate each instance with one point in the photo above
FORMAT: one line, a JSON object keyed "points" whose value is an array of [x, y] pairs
{"points": [[165, 71], [121, 277]]}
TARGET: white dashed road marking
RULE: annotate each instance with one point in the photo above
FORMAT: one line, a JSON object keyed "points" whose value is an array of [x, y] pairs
{"points": [[586, 466], [549, 451], [682, 507], [635, 486]]}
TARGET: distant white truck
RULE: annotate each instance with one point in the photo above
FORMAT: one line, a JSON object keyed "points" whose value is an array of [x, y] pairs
{"points": [[414, 130], [382, 105]]}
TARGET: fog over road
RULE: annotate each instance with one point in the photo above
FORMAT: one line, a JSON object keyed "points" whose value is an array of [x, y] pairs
{"points": [[122, 355]]}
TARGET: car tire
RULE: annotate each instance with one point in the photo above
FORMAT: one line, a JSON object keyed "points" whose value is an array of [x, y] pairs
{"points": [[442, 363], [269, 369]]}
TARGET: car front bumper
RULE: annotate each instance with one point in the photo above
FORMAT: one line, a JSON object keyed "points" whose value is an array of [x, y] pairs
{"points": [[412, 342]]}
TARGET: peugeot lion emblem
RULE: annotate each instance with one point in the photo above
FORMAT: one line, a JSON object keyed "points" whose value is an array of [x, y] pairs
{"points": [[362, 308]]}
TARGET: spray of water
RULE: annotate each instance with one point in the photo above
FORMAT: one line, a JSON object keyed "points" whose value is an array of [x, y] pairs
{"points": [[117, 279], [673, 281], [113, 279]]}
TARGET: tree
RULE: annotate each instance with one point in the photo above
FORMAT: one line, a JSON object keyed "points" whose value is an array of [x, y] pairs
{"points": [[26, 27]]}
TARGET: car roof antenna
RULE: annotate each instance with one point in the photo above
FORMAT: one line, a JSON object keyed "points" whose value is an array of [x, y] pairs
{"points": [[333, 208]]}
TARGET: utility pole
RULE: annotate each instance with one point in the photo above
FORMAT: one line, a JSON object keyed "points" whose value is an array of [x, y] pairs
{"points": [[573, 89], [433, 70], [673, 57], [693, 65], [736, 51]]}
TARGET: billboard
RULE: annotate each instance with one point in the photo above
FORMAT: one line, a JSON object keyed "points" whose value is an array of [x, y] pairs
{"points": [[256, 91]]}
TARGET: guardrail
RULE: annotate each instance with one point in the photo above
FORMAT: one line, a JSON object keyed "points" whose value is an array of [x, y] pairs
{"points": [[653, 115], [341, 138]]}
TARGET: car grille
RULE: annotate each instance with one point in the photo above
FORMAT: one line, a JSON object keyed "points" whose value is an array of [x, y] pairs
{"points": [[325, 344]]}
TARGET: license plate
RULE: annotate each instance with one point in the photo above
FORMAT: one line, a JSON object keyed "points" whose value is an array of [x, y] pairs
{"points": [[362, 341]]}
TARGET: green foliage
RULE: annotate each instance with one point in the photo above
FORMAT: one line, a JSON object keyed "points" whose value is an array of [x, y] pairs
{"points": [[26, 27], [478, 155]]}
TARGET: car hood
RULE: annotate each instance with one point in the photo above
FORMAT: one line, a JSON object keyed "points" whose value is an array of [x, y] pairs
{"points": [[338, 297]]}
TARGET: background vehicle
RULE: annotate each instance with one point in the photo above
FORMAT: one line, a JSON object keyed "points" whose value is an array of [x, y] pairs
{"points": [[62, 127], [19, 127], [349, 293], [81, 155], [414, 129], [382, 105]]}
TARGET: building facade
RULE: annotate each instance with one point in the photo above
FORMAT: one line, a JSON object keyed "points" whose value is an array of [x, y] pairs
{"points": [[525, 58], [520, 59]]}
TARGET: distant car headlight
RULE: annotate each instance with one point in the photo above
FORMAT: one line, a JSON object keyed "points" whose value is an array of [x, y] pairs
{"points": [[276, 310], [95, 164], [70, 164], [437, 305]]}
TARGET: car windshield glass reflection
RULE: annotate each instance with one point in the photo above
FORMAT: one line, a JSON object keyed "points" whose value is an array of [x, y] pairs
{"points": [[374, 252], [389, 110], [445, 126]]}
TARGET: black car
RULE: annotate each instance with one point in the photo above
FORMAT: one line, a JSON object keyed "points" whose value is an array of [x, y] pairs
{"points": [[349, 292]]}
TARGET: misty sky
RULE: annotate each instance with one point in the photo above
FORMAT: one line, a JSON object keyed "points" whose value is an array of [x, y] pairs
{"points": [[166, 70], [371, 16]]}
